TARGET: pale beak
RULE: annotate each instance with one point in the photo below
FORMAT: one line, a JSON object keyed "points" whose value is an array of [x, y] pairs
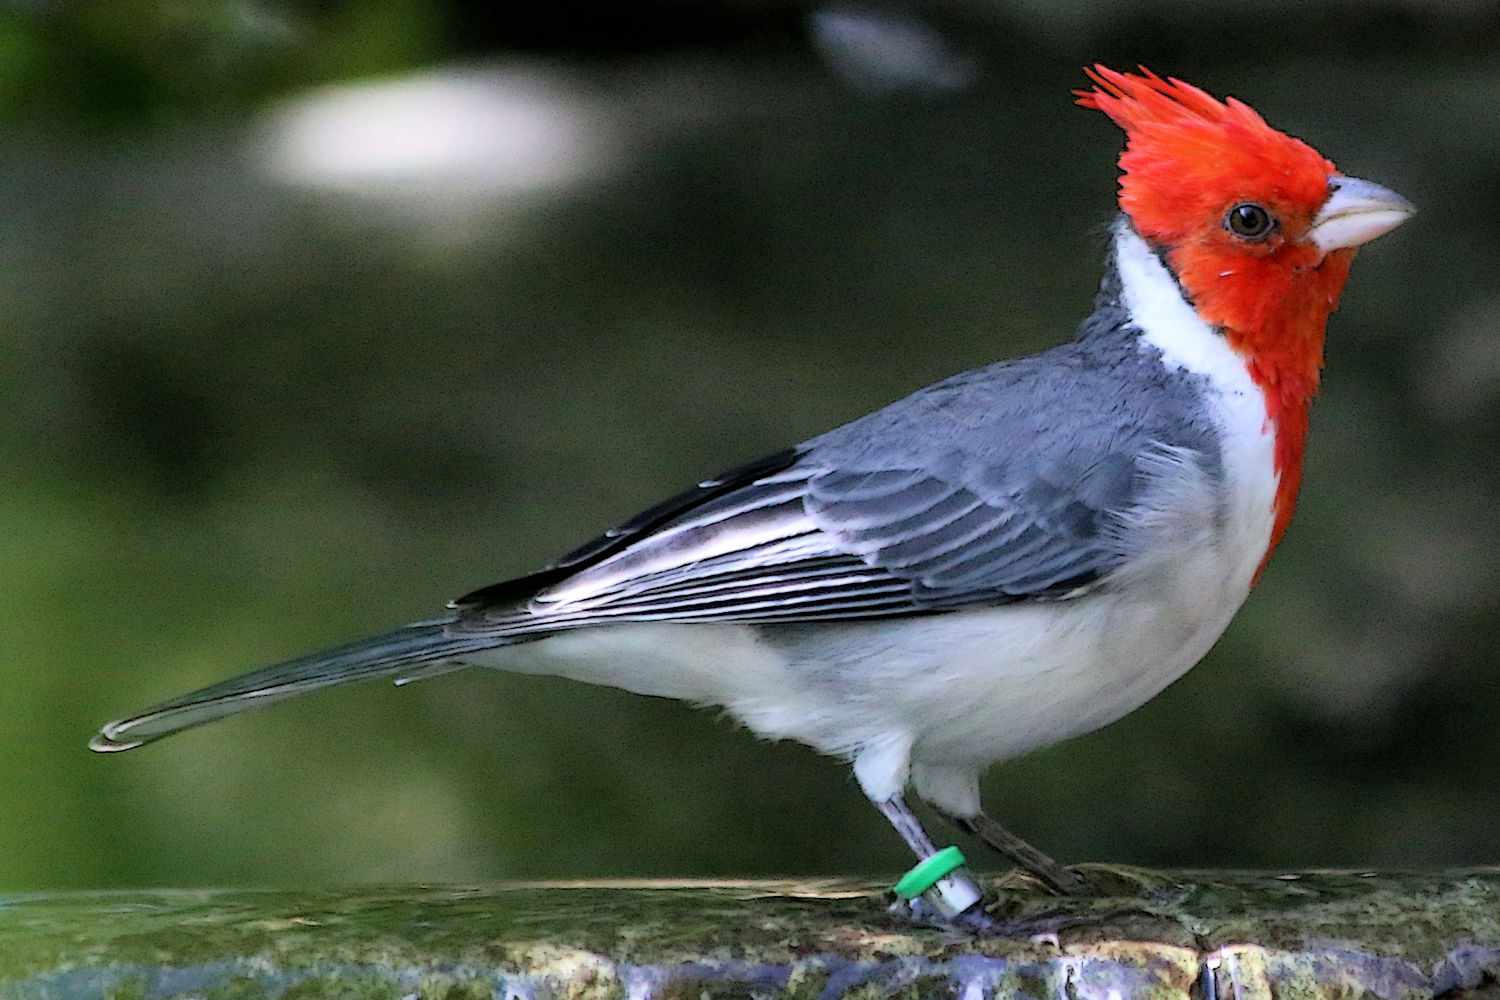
{"points": [[1355, 213]]}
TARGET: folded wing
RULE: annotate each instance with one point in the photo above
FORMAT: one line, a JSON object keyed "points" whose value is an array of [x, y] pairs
{"points": [[809, 542]]}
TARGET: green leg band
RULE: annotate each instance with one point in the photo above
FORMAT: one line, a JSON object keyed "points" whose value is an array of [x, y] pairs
{"points": [[928, 872]]}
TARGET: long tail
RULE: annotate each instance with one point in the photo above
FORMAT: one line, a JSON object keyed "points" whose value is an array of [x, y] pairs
{"points": [[392, 653]]}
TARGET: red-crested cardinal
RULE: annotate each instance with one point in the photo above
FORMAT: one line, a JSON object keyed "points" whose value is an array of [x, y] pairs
{"points": [[1014, 556]]}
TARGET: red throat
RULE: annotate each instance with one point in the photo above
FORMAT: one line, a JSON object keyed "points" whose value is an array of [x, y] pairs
{"points": [[1284, 355]]}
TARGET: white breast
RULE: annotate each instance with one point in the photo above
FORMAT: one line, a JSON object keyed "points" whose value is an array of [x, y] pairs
{"points": [[978, 686], [1247, 435], [1049, 672]]}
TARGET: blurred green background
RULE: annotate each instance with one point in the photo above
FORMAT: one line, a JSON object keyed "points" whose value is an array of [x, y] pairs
{"points": [[316, 315]]}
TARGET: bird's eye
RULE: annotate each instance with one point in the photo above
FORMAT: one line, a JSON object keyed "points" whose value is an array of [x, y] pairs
{"points": [[1249, 221]]}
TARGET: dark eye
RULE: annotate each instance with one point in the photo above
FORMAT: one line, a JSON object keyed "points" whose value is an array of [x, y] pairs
{"points": [[1249, 221]]}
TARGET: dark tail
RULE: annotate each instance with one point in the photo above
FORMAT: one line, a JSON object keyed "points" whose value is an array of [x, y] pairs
{"points": [[379, 656]]}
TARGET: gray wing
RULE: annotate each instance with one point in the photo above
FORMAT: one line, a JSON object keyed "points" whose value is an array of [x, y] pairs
{"points": [[909, 511], [954, 546]]}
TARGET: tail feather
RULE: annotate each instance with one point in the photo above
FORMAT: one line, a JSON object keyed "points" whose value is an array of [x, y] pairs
{"points": [[406, 650]]}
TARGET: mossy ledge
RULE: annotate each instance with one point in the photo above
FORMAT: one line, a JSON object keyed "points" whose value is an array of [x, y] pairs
{"points": [[1207, 935]]}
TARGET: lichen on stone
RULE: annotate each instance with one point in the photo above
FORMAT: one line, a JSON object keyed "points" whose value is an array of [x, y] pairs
{"points": [[1150, 934]]}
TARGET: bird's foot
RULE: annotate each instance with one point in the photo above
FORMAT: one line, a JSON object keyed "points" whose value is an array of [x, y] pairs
{"points": [[1060, 880], [1027, 910], [975, 921], [1096, 881], [1040, 928], [1033, 863], [953, 901]]}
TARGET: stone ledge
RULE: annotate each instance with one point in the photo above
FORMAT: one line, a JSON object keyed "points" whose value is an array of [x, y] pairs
{"points": [[1208, 935]]}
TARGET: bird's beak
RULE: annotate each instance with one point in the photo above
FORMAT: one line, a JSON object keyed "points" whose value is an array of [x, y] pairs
{"points": [[1355, 213]]}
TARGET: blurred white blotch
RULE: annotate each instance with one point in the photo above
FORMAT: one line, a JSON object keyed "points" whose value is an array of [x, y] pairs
{"points": [[884, 52], [442, 143]]}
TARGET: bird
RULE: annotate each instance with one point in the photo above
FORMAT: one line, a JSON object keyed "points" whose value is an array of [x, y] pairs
{"points": [[1011, 557]]}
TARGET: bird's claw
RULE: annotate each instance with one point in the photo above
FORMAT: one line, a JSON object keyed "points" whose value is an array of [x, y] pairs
{"points": [[975, 921], [1096, 881], [1039, 928]]}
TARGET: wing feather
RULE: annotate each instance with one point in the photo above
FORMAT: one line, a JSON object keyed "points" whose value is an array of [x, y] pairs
{"points": [[1000, 484], [811, 544]]}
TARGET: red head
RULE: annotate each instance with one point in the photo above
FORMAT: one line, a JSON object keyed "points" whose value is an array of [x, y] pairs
{"points": [[1229, 198], [1258, 227]]}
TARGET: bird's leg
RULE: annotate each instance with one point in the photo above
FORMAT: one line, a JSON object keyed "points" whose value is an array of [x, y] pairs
{"points": [[899, 815], [952, 895], [1054, 876]]}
